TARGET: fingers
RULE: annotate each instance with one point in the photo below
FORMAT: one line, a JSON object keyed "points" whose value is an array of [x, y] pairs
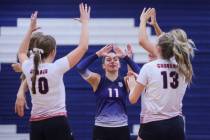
{"points": [[89, 9], [19, 108], [129, 48], [143, 11], [131, 73], [34, 15], [108, 48], [84, 8], [16, 67]]}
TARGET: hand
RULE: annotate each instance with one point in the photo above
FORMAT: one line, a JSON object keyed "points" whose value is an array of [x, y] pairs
{"points": [[131, 81], [129, 51], [16, 67], [33, 24], [104, 51], [84, 13], [131, 73], [119, 52], [153, 17], [20, 105], [146, 14]]}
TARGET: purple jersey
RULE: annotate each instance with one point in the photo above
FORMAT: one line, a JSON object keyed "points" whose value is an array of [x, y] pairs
{"points": [[111, 103]]}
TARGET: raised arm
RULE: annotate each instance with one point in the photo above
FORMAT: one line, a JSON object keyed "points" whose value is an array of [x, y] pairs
{"points": [[23, 50], [75, 56], [143, 38], [92, 78], [154, 23]]}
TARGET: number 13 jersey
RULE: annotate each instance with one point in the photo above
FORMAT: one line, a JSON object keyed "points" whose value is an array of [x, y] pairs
{"points": [[49, 98], [164, 90]]}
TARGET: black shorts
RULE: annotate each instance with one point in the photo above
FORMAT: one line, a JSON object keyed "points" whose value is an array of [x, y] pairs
{"points": [[55, 128], [111, 133], [170, 129]]}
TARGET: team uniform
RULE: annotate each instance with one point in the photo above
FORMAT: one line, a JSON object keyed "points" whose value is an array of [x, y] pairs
{"points": [[111, 120], [48, 114], [161, 104]]}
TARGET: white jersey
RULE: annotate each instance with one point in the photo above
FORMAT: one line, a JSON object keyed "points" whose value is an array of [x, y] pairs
{"points": [[164, 90], [49, 99]]}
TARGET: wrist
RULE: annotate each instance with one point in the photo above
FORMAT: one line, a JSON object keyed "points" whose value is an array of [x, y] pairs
{"points": [[85, 22], [98, 54]]}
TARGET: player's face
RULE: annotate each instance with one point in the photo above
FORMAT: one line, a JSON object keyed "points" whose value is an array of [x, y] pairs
{"points": [[111, 63]]}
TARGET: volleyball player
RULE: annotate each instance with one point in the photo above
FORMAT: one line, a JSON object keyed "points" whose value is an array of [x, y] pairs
{"points": [[45, 80], [110, 90], [165, 81], [20, 103]]}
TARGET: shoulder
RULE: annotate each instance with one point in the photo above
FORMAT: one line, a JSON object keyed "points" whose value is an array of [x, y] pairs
{"points": [[26, 65]]}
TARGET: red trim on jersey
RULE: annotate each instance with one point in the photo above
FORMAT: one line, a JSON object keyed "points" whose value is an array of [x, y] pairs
{"points": [[43, 117]]}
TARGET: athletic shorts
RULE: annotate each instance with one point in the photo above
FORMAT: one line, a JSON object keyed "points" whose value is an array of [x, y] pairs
{"points": [[170, 129], [55, 128], [111, 133]]}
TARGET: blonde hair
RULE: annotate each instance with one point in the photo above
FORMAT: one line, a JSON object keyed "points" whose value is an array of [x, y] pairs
{"points": [[176, 43]]}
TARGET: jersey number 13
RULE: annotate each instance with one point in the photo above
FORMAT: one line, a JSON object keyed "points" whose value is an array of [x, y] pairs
{"points": [[174, 76]]}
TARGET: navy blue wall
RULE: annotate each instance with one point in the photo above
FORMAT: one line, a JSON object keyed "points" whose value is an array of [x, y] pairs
{"points": [[193, 16]]}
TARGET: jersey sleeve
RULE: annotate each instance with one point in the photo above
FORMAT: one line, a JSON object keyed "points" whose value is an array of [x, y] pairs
{"points": [[62, 65], [25, 66], [143, 75]]}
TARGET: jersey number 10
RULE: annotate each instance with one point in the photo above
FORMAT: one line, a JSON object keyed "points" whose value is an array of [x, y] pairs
{"points": [[174, 75], [43, 85]]}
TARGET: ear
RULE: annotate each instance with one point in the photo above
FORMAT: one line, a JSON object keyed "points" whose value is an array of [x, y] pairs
{"points": [[158, 49]]}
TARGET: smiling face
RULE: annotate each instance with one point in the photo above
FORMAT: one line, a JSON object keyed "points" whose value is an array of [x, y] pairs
{"points": [[111, 63]]}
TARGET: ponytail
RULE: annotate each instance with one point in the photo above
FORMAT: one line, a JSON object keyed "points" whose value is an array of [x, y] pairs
{"points": [[37, 59], [183, 52]]}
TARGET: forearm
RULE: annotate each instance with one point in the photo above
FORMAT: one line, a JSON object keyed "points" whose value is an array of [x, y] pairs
{"points": [[85, 63], [25, 44], [23, 88], [142, 32], [132, 64], [84, 37], [75, 56], [157, 28]]}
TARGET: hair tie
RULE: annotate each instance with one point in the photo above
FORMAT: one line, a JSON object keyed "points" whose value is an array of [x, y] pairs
{"points": [[37, 50]]}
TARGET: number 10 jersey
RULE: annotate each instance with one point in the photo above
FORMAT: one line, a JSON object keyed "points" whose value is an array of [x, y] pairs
{"points": [[49, 98]]}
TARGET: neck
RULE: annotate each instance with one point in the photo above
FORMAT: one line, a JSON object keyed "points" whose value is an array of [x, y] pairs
{"points": [[112, 75], [47, 60]]}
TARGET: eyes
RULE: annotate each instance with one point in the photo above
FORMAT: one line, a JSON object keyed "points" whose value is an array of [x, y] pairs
{"points": [[109, 59]]}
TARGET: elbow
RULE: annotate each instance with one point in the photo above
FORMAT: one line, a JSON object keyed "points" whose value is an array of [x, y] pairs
{"points": [[142, 41]]}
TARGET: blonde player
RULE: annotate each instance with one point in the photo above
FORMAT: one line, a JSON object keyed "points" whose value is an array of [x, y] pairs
{"points": [[45, 80], [165, 81]]}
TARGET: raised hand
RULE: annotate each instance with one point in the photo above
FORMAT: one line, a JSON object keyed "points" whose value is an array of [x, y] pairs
{"points": [[105, 50], [129, 51], [84, 12], [153, 17], [33, 24], [146, 14], [119, 52]]}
